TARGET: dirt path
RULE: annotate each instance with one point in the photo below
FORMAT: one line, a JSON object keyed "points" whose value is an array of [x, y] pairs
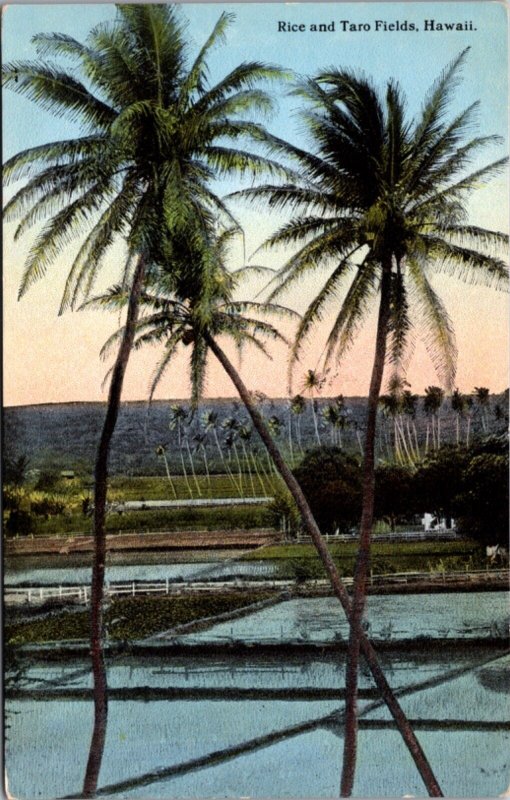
{"points": [[188, 540]]}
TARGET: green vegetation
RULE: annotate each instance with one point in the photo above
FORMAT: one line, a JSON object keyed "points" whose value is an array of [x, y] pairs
{"points": [[61, 510], [157, 488], [301, 562], [130, 618]]}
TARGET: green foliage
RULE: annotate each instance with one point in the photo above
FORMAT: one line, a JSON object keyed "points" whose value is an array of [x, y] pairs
{"points": [[130, 618], [331, 482], [393, 486], [483, 502], [284, 509], [19, 522], [439, 480], [48, 506], [15, 470], [47, 480]]}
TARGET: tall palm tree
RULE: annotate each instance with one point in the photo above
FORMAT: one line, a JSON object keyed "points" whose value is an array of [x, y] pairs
{"points": [[178, 417], [381, 202], [298, 407], [176, 321], [161, 451], [432, 403], [482, 396], [154, 133], [313, 383], [458, 404]]}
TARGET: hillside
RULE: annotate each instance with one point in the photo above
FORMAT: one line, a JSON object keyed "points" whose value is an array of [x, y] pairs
{"points": [[64, 436]]}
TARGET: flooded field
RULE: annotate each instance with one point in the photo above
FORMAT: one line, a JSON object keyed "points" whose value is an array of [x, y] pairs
{"points": [[213, 739], [62, 576], [391, 617], [229, 725]]}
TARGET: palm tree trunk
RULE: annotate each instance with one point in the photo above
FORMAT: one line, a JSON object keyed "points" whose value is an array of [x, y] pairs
{"points": [[291, 449], [169, 476], [339, 589], [185, 475], [363, 556], [315, 424], [98, 565], [190, 458]]}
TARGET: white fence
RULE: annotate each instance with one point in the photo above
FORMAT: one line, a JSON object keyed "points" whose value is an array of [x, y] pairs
{"points": [[396, 536], [39, 594]]}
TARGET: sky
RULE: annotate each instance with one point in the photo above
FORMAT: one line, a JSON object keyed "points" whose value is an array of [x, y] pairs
{"points": [[50, 358]]}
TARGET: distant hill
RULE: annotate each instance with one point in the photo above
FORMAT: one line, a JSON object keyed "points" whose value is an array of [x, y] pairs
{"points": [[64, 436]]}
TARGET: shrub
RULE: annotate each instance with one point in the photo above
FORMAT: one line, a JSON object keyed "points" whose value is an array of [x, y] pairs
{"points": [[19, 522], [48, 507], [331, 482], [283, 508]]}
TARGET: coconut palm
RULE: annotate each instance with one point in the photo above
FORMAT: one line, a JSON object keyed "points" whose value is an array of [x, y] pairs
{"points": [[432, 403], [189, 321], [482, 397], [312, 383], [244, 433], [231, 427], [161, 451], [178, 416], [458, 404], [154, 133], [381, 203], [298, 407], [200, 440], [409, 409]]}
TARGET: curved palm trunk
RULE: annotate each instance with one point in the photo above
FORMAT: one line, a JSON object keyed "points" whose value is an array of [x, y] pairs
{"points": [[98, 565], [339, 589], [363, 556], [167, 468]]}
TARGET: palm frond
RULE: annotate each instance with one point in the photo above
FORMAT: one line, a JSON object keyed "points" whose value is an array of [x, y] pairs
{"points": [[439, 334]]}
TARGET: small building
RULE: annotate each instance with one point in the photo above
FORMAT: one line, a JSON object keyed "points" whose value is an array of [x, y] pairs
{"points": [[68, 474]]}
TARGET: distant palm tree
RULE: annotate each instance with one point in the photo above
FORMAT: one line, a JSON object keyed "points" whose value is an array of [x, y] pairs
{"points": [[161, 451], [432, 403], [231, 427], [458, 404], [244, 433], [409, 409], [200, 440], [178, 416], [482, 396], [380, 200], [312, 383], [298, 407]]}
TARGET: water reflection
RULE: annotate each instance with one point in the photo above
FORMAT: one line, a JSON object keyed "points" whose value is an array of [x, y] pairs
{"points": [[194, 742]]}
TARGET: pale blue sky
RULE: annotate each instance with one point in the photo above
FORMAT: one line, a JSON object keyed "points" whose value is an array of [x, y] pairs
{"points": [[415, 58]]}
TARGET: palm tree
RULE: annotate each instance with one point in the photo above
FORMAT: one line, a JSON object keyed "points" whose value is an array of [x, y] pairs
{"points": [[482, 396], [231, 427], [176, 321], [313, 382], [458, 404], [200, 440], [297, 407], [432, 403], [178, 416], [155, 132], [381, 199], [244, 433], [161, 451]]}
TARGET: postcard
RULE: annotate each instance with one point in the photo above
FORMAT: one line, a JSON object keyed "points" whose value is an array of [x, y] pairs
{"points": [[255, 400]]}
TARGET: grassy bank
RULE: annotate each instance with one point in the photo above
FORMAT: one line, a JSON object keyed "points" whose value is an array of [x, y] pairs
{"points": [[301, 561], [130, 618], [176, 519]]}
